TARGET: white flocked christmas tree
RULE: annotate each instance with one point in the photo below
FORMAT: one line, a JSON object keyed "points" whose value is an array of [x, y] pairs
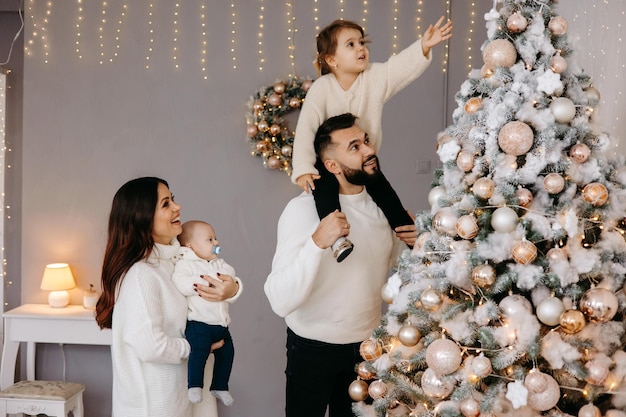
{"points": [[512, 301]]}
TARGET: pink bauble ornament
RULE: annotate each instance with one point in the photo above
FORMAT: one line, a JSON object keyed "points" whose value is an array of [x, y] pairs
{"points": [[516, 23], [572, 321], [580, 152], [358, 390], [524, 252], [409, 335], [484, 188], [547, 398], [306, 85], [363, 371], [443, 356], [377, 389], [275, 129], [599, 304], [263, 126], [286, 150], [431, 299], [563, 109], [536, 381], [435, 194], [558, 25], [252, 131], [258, 106], [524, 197], [273, 162], [557, 254], [549, 311], [596, 194], [515, 138], [275, 99], [465, 161], [467, 226], [593, 95], [513, 305], [553, 183], [279, 88], [597, 372], [481, 366], [470, 407], [435, 386], [294, 102], [589, 410], [261, 146], [504, 219], [370, 349], [499, 53], [484, 275], [558, 64], [473, 105], [444, 221]]}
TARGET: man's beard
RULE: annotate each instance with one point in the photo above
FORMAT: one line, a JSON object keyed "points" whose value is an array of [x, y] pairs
{"points": [[360, 176]]}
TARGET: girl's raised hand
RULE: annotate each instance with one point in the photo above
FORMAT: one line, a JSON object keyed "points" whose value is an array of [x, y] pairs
{"points": [[436, 34]]}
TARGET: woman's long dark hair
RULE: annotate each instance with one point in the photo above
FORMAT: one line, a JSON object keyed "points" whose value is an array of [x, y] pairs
{"points": [[129, 238]]}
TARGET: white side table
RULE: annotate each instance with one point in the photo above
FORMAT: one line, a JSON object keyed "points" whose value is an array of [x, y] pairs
{"points": [[40, 323]]}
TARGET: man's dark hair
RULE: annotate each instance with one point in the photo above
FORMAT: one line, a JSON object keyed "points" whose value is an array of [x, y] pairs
{"points": [[322, 137]]}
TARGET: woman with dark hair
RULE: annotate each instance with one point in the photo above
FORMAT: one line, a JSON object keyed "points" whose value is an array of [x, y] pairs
{"points": [[141, 305]]}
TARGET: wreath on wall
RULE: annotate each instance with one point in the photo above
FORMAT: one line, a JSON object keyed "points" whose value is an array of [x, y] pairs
{"points": [[267, 134]]}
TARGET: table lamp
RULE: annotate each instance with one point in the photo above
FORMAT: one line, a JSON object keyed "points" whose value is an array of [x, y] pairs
{"points": [[58, 278]]}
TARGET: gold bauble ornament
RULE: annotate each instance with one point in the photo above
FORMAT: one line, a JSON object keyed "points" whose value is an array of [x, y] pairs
{"points": [[524, 197], [470, 407], [279, 88], [473, 105], [484, 188], [377, 389], [516, 23], [515, 138], [409, 335], [599, 304], [589, 410], [363, 372], [261, 146], [286, 150], [263, 126], [275, 99], [558, 64], [258, 106], [274, 129], [370, 349], [484, 275], [306, 85], [524, 252], [273, 162], [467, 226], [444, 221], [486, 72], [572, 321], [252, 131], [558, 25], [294, 102], [596, 194], [358, 390], [465, 161], [431, 299], [499, 53], [553, 183]]}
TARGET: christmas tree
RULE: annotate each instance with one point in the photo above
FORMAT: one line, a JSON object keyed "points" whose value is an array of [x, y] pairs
{"points": [[512, 301]]}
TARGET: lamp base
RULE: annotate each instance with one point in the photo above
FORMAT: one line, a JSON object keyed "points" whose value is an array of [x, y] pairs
{"points": [[58, 299]]}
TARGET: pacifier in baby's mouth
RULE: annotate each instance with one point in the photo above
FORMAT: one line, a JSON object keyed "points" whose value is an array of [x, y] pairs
{"points": [[216, 250]]}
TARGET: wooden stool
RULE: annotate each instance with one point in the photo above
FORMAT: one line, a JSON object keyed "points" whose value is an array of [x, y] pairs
{"points": [[52, 398]]}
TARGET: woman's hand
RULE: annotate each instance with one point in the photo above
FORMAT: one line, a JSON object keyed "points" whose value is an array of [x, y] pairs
{"points": [[217, 289]]}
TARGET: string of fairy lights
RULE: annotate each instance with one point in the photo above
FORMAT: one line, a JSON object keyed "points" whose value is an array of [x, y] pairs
{"points": [[3, 101]]}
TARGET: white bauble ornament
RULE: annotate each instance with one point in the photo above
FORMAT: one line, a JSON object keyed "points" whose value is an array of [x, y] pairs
{"points": [[599, 304], [547, 398], [536, 381], [377, 389], [500, 53], [504, 219], [435, 194], [563, 109], [572, 321], [484, 188], [516, 23], [557, 254], [558, 64], [409, 335], [515, 138], [443, 356], [513, 305], [431, 299], [553, 183], [596, 194], [358, 390], [524, 252], [434, 386], [387, 293], [465, 161], [470, 408], [593, 95], [467, 226], [558, 25], [597, 372], [589, 410], [524, 197], [549, 311], [484, 275], [444, 221], [580, 152], [481, 366]]}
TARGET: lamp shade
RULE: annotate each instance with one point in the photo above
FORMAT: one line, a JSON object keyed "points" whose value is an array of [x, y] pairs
{"points": [[58, 278]]}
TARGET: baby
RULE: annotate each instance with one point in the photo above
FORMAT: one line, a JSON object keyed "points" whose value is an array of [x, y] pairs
{"points": [[207, 321]]}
